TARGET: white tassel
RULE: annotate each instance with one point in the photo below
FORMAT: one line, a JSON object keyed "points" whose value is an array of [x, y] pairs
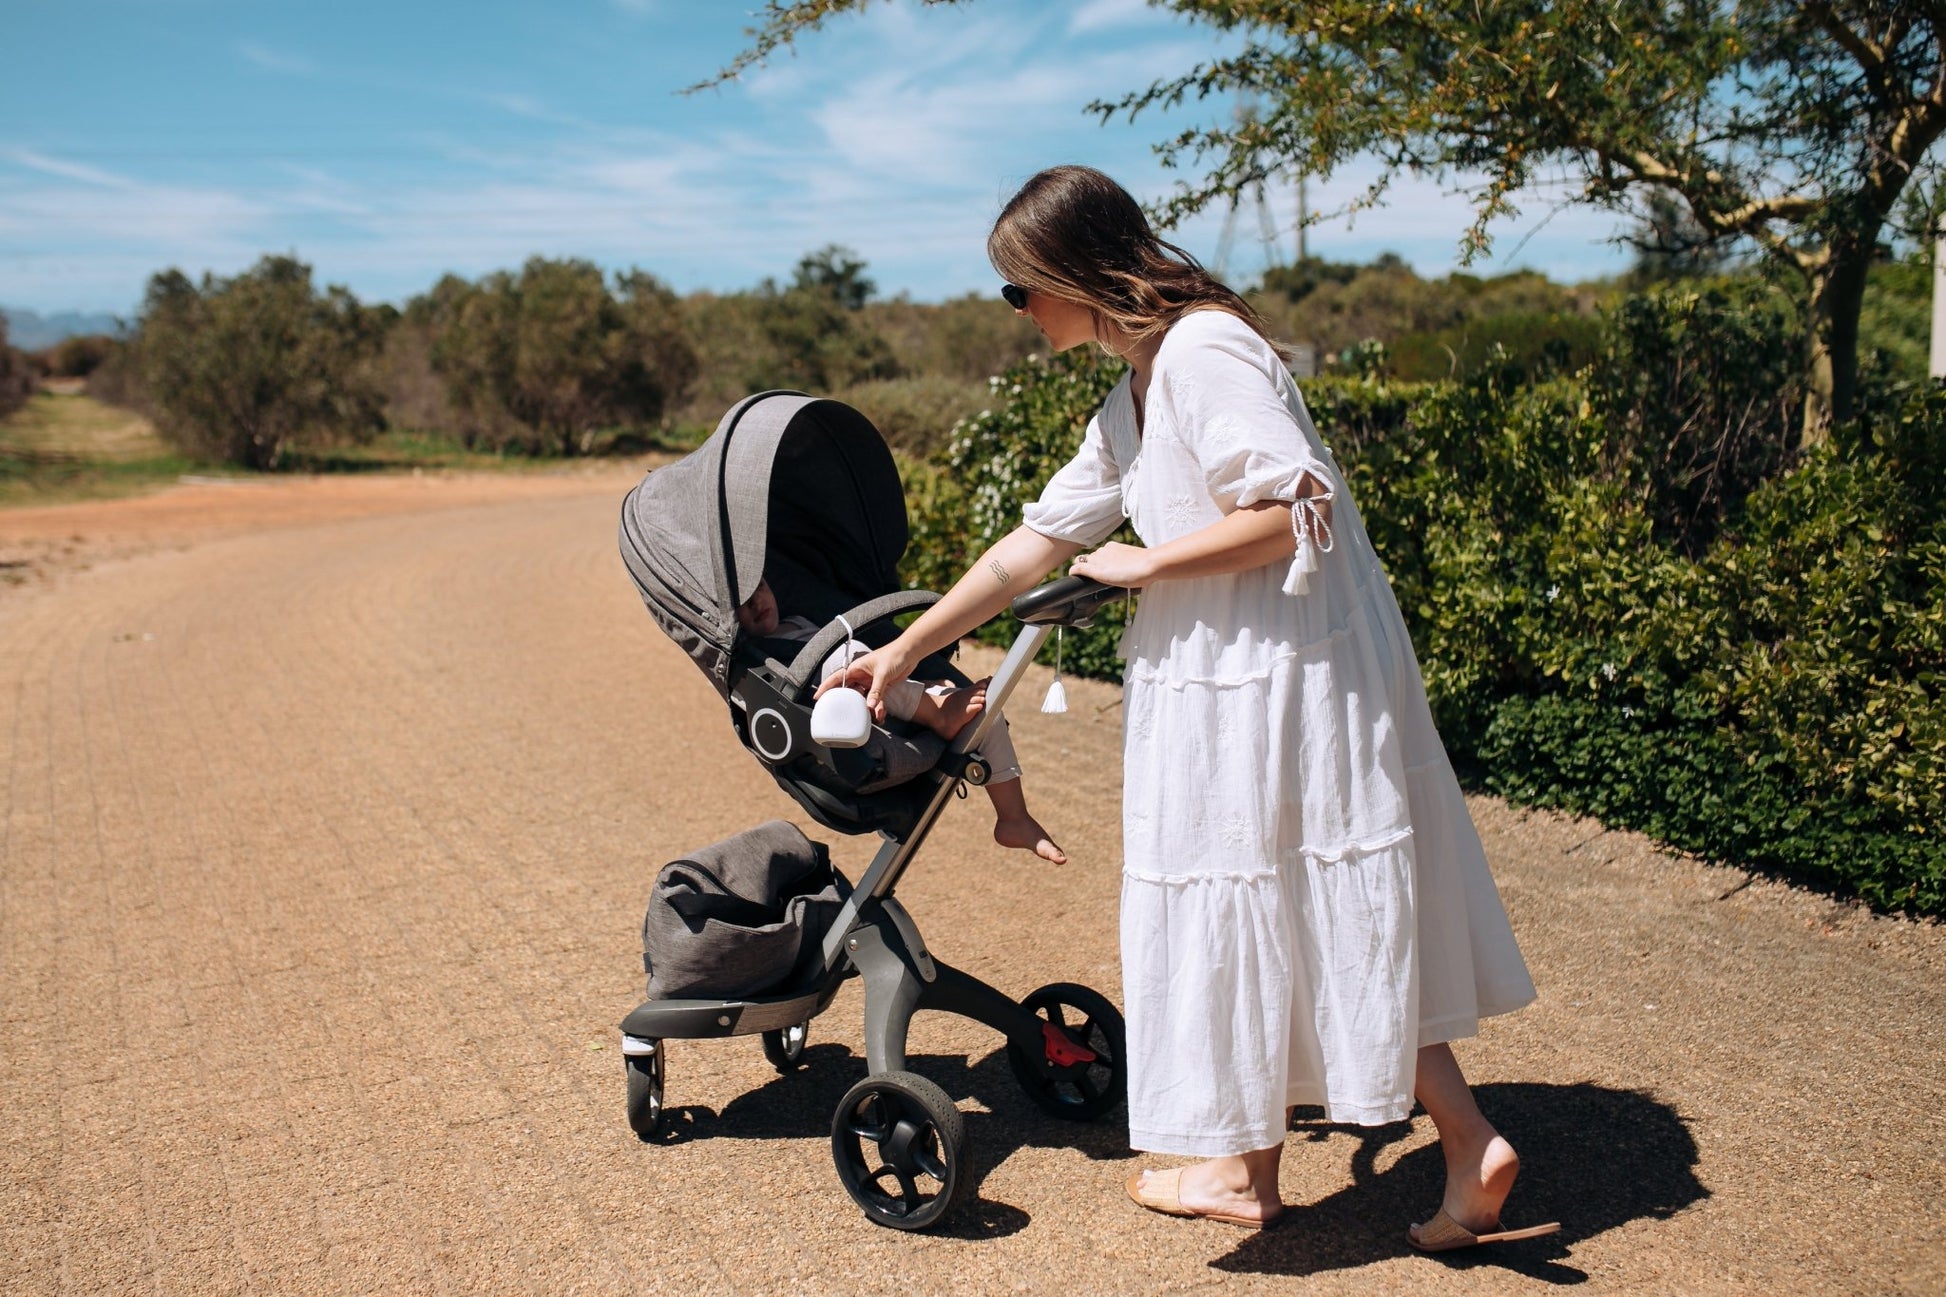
{"points": [[1056, 700], [1304, 517], [1057, 697]]}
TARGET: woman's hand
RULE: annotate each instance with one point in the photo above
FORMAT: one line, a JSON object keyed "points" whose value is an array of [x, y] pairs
{"points": [[1116, 564], [878, 671]]}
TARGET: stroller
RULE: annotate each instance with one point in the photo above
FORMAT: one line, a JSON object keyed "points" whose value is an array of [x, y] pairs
{"points": [[803, 492]]}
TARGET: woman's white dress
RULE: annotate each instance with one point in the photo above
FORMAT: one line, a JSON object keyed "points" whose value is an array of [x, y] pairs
{"points": [[1305, 902]]}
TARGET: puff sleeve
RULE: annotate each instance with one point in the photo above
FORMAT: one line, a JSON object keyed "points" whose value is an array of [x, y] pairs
{"points": [[1251, 441], [1082, 502]]}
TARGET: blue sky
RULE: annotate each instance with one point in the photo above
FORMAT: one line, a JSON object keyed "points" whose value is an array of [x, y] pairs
{"points": [[387, 144]]}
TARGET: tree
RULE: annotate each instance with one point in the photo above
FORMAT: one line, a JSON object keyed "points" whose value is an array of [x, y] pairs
{"points": [[544, 359], [1796, 124], [243, 370]]}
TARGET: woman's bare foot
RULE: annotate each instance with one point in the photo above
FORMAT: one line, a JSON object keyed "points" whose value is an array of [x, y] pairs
{"points": [[1025, 832], [1243, 1186], [1478, 1181], [948, 711]]}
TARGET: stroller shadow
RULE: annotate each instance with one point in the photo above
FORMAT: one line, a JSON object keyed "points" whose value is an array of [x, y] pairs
{"points": [[1591, 1157], [800, 1105]]}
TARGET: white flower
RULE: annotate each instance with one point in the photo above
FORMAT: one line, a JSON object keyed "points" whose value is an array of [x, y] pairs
{"points": [[1608, 670], [1553, 593]]}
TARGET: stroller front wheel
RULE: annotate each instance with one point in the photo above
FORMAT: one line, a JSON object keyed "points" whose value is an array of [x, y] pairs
{"points": [[645, 1072], [900, 1146], [784, 1047]]}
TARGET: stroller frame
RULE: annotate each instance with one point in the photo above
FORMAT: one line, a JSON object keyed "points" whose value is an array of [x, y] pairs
{"points": [[1065, 1042]]}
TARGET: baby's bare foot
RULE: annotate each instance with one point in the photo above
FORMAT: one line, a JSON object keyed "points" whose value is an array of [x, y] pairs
{"points": [[1025, 833], [948, 711]]}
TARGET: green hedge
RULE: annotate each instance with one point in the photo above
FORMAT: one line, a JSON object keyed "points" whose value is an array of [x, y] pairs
{"points": [[1758, 680]]}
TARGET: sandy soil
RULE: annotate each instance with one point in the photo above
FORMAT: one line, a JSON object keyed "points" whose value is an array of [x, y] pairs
{"points": [[331, 809]]}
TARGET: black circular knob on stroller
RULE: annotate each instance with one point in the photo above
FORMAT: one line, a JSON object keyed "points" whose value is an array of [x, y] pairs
{"points": [[770, 734]]}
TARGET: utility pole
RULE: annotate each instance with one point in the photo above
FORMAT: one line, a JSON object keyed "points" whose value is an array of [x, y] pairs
{"points": [[1303, 221], [1939, 301]]}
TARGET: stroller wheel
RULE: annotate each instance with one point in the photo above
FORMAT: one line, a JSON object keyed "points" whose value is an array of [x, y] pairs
{"points": [[900, 1146], [645, 1091], [1080, 1071], [785, 1046]]}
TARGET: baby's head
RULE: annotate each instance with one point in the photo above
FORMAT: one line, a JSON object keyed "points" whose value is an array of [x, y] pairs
{"points": [[758, 614]]}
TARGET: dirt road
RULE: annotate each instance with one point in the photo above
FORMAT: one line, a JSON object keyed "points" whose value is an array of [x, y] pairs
{"points": [[330, 814]]}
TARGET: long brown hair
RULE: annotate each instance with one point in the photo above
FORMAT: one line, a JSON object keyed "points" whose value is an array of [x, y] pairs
{"points": [[1073, 233]]}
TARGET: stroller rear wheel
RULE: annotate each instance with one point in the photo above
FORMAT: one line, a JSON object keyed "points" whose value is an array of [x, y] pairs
{"points": [[784, 1047], [1081, 1069], [900, 1146], [645, 1073]]}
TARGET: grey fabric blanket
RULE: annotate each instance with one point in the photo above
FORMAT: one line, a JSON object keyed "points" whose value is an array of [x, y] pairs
{"points": [[743, 916]]}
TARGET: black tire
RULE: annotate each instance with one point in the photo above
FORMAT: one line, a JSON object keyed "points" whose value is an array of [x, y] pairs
{"points": [[785, 1047], [645, 1073], [1076, 1089], [892, 1133]]}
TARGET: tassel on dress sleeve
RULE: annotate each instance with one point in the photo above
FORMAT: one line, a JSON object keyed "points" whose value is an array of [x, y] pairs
{"points": [[1307, 520]]}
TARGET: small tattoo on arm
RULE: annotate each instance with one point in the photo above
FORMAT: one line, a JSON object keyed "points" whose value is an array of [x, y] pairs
{"points": [[999, 571]]}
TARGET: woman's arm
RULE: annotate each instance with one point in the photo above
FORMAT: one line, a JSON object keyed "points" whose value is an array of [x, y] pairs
{"points": [[1254, 536], [1013, 565]]}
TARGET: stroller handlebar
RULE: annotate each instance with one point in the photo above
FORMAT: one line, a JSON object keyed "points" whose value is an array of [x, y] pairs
{"points": [[1070, 601]]}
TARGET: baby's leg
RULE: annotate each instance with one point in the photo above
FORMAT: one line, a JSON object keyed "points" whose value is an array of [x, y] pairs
{"points": [[942, 708], [1013, 826]]}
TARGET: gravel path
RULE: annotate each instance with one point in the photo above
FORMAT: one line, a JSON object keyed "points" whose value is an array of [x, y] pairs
{"points": [[326, 836]]}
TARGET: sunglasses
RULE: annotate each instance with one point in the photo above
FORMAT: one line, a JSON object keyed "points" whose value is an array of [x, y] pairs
{"points": [[1016, 296]]}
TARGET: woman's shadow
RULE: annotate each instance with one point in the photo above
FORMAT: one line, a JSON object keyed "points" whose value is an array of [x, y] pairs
{"points": [[1591, 1157]]}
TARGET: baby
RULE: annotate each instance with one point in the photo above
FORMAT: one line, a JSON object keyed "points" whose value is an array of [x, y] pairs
{"points": [[941, 708]]}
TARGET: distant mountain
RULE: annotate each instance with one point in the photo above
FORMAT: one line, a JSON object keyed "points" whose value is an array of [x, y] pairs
{"points": [[31, 332]]}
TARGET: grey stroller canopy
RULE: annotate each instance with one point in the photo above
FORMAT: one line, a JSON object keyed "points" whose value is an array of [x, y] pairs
{"points": [[789, 487]]}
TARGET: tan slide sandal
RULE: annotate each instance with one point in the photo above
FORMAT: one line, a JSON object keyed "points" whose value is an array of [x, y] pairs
{"points": [[1442, 1234], [1161, 1192]]}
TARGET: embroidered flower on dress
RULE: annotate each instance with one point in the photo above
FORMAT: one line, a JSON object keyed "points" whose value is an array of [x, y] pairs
{"points": [[1235, 832], [1181, 510]]}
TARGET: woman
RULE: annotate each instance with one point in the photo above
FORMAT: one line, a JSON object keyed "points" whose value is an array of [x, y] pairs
{"points": [[1307, 916]]}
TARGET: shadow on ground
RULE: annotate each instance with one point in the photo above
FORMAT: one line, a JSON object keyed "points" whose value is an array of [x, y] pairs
{"points": [[1594, 1158], [800, 1105], [1591, 1157]]}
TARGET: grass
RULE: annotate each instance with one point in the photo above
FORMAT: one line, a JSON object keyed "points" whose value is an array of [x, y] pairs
{"points": [[60, 448], [63, 447]]}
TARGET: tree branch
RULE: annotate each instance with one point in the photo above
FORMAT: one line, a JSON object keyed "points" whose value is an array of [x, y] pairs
{"points": [[1866, 54]]}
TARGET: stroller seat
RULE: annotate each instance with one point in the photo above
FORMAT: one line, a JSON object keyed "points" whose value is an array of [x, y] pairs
{"points": [[802, 493]]}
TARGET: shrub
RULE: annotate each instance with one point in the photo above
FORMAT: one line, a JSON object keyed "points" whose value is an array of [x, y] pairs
{"points": [[76, 357], [17, 378], [1627, 599], [970, 494], [1701, 387], [243, 370], [916, 415]]}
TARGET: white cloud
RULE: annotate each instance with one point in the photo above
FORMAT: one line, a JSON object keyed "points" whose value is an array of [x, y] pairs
{"points": [[67, 170], [262, 56], [1105, 15]]}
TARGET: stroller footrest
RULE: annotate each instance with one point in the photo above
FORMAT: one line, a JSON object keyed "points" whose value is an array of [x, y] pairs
{"points": [[700, 1019]]}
